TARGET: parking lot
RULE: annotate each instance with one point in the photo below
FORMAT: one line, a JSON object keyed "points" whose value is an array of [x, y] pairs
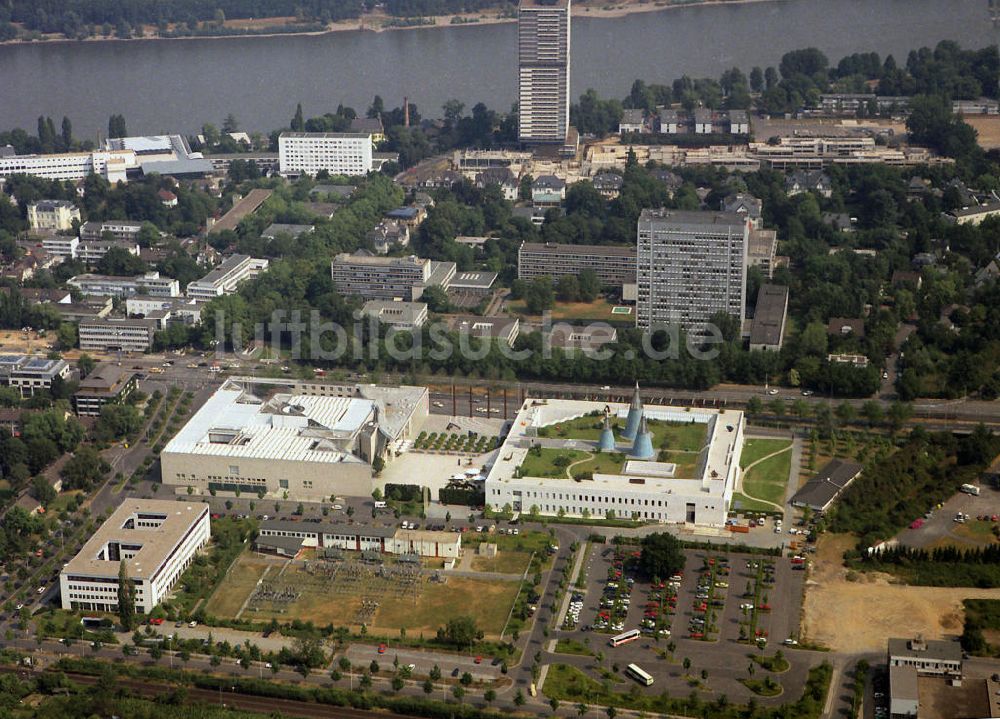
{"points": [[941, 528], [698, 614]]}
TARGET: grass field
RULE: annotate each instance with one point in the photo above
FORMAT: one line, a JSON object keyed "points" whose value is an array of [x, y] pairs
{"points": [[597, 310], [229, 596], [546, 463], [602, 463], [503, 563], [750, 505], [420, 611], [755, 449], [769, 479], [486, 601]]}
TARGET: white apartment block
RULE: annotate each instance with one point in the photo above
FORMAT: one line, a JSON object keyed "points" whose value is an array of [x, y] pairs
{"points": [[61, 245], [112, 165], [123, 230], [224, 279], [156, 539], [91, 251], [149, 283], [543, 39], [127, 335], [339, 153], [388, 278], [690, 266], [179, 309], [52, 215]]}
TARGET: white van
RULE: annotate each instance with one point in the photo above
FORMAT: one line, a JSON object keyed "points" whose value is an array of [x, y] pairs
{"points": [[380, 505]]}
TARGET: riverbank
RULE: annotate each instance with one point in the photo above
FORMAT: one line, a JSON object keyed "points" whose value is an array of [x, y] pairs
{"points": [[380, 22]]}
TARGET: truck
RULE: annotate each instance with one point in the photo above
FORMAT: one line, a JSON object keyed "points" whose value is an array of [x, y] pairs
{"points": [[739, 528], [970, 489]]}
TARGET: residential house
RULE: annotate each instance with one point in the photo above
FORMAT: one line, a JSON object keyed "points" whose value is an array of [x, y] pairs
{"points": [[548, 191], [808, 181], [668, 122], [609, 184], [739, 122], [388, 234], [703, 121], [633, 120]]}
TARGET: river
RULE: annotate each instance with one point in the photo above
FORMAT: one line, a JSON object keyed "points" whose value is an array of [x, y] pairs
{"points": [[176, 85]]}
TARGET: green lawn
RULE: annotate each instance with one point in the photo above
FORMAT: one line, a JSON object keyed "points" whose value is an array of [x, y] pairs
{"points": [[749, 505], [572, 646], [687, 463], [754, 449], [602, 463], [684, 436], [769, 479], [546, 462]]}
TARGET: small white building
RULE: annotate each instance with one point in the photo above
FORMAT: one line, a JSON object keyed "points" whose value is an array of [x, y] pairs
{"points": [[227, 277], [156, 539]]}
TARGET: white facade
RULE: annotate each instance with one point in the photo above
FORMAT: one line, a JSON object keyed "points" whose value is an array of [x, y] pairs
{"points": [[61, 246], [157, 539], [91, 251], [123, 230], [147, 284], [690, 266], [225, 278], [339, 153], [543, 36], [111, 165], [29, 373], [644, 490], [52, 215], [125, 335], [179, 309]]}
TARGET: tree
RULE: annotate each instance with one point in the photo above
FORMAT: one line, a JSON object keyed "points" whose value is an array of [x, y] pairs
{"points": [[686, 663], [458, 692], [298, 122], [116, 126], [661, 555], [756, 79], [568, 289], [428, 686], [460, 631], [590, 285], [519, 698], [126, 598], [85, 364], [42, 490], [67, 133], [230, 124]]}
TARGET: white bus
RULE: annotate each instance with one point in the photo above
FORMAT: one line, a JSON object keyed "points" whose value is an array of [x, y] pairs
{"points": [[970, 489], [637, 673], [625, 637]]}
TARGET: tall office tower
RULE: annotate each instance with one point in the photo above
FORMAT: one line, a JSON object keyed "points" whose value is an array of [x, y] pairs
{"points": [[543, 70], [690, 266]]}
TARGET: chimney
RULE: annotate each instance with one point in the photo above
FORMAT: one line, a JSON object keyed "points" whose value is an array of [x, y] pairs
{"points": [[406, 112]]}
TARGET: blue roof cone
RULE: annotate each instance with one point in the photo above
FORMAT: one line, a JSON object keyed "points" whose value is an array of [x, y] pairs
{"points": [[634, 415], [643, 446], [607, 441]]}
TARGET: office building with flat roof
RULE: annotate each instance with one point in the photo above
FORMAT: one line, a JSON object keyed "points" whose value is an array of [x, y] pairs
{"points": [[156, 539], [122, 230], [288, 538], [927, 656], [339, 153], [92, 251], [149, 283], [227, 277], [29, 374], [543, 52], [112, 165], [106, 384], [690, 266], [613, 264], [398, 314], [388, 278], [125, 335], [304, 440]]}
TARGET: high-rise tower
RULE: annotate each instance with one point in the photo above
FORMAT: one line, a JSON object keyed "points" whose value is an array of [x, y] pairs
{"points": [[543, 47]]}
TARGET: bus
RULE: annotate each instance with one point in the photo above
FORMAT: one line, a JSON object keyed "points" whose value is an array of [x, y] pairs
{"points": [[625, 637], [637, 673]]}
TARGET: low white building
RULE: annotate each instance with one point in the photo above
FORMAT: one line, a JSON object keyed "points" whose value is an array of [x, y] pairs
{"points": [[156, 539], [227, 277], [57, 215], [63, 246], [285, 537], [927, 656], [29, 374], [645, 487], [122, 230], [112, 165], [149, 283], [92, 251]]}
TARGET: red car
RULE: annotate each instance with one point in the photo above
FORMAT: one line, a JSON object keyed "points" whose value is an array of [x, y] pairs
{"points": [[479, 660], [157, 621], [697, 635], [382, 648]]}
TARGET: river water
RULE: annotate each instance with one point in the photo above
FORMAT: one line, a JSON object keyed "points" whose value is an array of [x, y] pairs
{"points": [[176, 85]]}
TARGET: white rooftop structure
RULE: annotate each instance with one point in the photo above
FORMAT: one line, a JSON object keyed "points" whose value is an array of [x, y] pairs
{"points": [[665, 491]]}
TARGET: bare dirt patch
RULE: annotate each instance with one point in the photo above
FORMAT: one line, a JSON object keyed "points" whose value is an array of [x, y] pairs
{"points": [[859, 616], [988, 127]]}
